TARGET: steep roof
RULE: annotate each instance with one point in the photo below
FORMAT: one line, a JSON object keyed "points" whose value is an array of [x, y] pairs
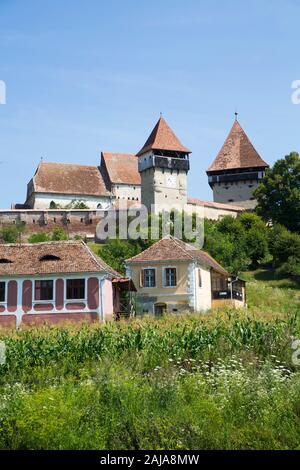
{"points": [[237, 152], [67, 178], [172, 249], [122, 168], [73, 257], [163, 138]]}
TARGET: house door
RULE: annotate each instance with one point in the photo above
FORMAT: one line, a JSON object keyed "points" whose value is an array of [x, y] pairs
{"points": [[159, 309]]}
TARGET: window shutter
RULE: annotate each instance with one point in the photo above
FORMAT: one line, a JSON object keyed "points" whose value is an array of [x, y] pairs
{"points": [[141, 278]]}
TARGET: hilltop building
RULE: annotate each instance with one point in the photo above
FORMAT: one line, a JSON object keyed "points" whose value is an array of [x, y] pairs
{"points": [[237, 170], [156, 176], [163, 164]]}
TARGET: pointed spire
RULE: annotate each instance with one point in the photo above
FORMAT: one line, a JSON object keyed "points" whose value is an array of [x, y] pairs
{"points": [[237, 152], [163, 138]]}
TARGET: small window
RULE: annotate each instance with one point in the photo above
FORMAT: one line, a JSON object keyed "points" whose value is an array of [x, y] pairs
{"points": [[170, 277], [199, 278], [148, 277], [2, 291], [230, 200], [75, 289], [5, 261], [50, 258], [43, 290]]}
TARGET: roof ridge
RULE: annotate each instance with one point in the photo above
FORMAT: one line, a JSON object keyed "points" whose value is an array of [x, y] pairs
{"points": [[177, 241], [51, 242], [66, 163], [98, 258]]}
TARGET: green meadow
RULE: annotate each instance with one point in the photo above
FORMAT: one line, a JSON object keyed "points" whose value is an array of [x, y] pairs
{"points": [[224, 380]]}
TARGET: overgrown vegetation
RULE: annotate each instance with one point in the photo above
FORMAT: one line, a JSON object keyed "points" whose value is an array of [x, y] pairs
{"points": [[278, 194], [57, 234], [240, 244], [223, 380]]}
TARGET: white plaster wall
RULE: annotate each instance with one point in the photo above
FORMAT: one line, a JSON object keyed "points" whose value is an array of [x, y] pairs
{"points": [[155, 190], [127, 191], [42, 201], [237, 193], [213, 213], [203, 293], [104, 295]]}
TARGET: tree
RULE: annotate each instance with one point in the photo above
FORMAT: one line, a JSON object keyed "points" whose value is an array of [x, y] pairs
{"points": [[115, 251], [285, 249], [278, 194], [225, 241], [256, 237]]}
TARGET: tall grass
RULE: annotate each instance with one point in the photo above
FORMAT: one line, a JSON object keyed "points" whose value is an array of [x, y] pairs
{"points": [[221, 380]]}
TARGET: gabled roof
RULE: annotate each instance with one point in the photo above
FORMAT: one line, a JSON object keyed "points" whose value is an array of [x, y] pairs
{"points": [[172, 249], [121, 168], [237, 152], [163, 138], [67, 178], [61, 257]]}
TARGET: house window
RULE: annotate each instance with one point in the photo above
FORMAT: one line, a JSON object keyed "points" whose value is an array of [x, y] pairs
{"points": [[148, 277], [170, 277], [199, 278], [43, 290], [75, 289], [2, 291]]}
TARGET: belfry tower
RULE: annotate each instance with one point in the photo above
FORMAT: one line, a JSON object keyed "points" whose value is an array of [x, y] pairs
{"points": [[163, 165], [237, 170]]}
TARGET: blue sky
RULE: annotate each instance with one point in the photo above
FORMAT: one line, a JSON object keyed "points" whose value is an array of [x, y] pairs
{"points": [[85, 76]]}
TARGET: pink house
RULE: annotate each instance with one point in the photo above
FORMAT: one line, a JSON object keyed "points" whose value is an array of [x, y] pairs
{"points": [[56, 282]]}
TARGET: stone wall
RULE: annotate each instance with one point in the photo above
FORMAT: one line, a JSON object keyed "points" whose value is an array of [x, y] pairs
{"points": [[74, 222]]}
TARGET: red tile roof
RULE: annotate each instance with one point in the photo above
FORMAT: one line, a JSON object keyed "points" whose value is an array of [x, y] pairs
{"points": [[172, 249], [215, 205], [163, 138], [121, 168], [237, 152], [73, 257], [66, 178]]}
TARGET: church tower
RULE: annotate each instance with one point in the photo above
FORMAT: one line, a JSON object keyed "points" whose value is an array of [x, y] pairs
{"points": [[237, 170], [163, 165]]}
